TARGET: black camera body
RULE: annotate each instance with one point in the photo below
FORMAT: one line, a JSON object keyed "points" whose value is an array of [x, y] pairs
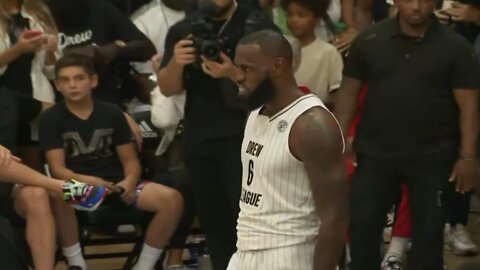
{"points": [[205, 40]]}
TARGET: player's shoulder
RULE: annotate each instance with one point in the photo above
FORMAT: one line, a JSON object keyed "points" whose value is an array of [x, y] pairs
{"points": [[314, 122], [314, 131], [315, 115]]}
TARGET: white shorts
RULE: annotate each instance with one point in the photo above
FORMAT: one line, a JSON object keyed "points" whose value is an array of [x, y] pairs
{"points": [[297, 257]]}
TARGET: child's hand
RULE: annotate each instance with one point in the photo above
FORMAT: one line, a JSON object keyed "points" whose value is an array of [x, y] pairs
{"points": [[345, 39], [128, 196]]}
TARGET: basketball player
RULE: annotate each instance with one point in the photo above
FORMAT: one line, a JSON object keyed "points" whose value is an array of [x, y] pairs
{"points": [[294, 197]]}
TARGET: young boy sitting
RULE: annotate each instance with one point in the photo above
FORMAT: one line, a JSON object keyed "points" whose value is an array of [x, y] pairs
{"points": [[321, 65], [91, 140]]}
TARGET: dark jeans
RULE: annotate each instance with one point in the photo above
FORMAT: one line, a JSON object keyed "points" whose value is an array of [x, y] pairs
{"points": [[216, 176], [375, 186]]}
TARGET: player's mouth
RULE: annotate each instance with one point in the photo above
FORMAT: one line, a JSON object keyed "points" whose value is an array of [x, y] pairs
{"points": [[242, 91]]}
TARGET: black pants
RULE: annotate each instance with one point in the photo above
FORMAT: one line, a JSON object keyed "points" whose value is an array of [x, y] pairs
{"points": [[459, 206], [375, 184], [216, 181]]}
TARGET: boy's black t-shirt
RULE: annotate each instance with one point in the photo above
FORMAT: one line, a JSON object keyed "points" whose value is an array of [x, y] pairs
{"points": [[89, 145]]}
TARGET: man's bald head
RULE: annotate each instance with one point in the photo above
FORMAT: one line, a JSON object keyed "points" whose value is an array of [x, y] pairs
{"points": [[271, 43]]}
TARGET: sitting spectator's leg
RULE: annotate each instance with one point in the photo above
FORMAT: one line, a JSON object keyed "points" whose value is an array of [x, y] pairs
{"points": [[167, 204], [67, 227], [33, 204], [178, 240]]}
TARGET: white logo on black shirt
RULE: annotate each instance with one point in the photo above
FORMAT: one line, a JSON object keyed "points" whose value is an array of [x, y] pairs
{"points": [[76, 39]]}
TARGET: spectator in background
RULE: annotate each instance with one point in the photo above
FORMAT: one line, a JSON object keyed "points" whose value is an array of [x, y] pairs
{"points": [[91, 140], [98, 29], [321, 64], [214, 121], [27, 51], [27, 46], [325, 27], [421, 131], [463, 17], [154, 20], [42, 239]]}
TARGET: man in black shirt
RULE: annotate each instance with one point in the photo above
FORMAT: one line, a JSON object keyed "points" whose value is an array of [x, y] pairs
{"points": [[419, 125], [102, 31], [91, 140], [213, 125]]}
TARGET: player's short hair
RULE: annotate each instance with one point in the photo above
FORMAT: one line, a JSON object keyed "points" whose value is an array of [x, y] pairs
{"points": [[318, 7], [75, 60], [271, 43]]}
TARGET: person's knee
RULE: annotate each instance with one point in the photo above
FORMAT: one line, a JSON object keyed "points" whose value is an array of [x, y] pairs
{"points": [[173, 199], [33, 200], [161, 198]]}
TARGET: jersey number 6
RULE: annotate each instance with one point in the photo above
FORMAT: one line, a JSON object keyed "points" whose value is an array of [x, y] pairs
{"points": [[250, 172]]}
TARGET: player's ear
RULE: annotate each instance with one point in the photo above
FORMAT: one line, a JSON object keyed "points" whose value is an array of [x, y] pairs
{"points": [[279, 66]]}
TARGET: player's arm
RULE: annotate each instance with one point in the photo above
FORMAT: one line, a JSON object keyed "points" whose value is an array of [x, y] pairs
{"points": [[315, 139], [56, 163]]}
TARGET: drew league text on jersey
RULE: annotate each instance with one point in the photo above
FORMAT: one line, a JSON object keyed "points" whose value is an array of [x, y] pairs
{"points": [[248, 197]]}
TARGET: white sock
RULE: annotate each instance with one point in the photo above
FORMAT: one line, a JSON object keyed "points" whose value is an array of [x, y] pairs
{"points": [[397, 247], [148, 258], [74, 256]]}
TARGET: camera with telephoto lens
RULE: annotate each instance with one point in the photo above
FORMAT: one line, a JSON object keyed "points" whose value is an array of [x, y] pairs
{"points": [[205, 37], [205, 40]]}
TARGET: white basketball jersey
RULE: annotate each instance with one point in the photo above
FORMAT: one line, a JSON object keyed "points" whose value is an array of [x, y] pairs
{"points": [[276, 203]]}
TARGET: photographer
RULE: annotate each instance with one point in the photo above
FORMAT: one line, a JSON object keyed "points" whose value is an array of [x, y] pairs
{"points": [[213, 122]]}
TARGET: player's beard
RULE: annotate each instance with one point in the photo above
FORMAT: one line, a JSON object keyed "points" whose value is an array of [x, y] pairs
{"points": [[262, 94]]}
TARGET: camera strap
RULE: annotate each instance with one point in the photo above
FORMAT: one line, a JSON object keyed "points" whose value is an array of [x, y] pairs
{"points": [[228, 20]]}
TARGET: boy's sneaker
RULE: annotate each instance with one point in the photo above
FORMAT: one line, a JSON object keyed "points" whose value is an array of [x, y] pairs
{"points": [[82, 196], [461, 243], [392, 263]]}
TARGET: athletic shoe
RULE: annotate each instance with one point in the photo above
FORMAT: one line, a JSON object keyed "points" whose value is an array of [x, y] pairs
{"points": [[392, 263], [82, 196], [460, 242]]}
